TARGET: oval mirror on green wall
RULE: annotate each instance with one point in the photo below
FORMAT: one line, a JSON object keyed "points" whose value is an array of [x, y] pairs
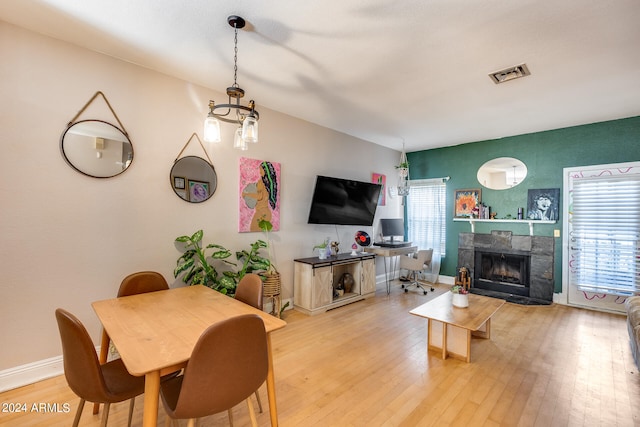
{"points": [[502, 173]]}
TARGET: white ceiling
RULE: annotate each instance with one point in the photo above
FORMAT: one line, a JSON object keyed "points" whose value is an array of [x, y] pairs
{"points": [[381, 70]]}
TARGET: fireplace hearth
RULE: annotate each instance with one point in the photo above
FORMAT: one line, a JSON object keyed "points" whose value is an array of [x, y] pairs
{"points": [[514, 267]]}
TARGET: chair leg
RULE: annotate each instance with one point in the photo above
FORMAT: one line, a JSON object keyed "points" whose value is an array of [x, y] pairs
{"points": [[229, 411], [259, 402], [76, 420], [191, 422], [105, 414], [133, 401], [252, 413]]}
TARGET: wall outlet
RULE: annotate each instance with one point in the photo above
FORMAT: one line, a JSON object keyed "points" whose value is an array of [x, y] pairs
{"points": [[556, 233]]}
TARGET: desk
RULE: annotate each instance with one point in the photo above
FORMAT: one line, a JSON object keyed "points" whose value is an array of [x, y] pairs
{"points": [[155, 334], [387, 253], [457, 324]]}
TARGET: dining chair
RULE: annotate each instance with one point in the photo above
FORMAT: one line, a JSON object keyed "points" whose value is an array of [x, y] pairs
{"points": [[228, 364], [250, 291], [135, 283], [140, 282], [108, 383], [415, 265]]}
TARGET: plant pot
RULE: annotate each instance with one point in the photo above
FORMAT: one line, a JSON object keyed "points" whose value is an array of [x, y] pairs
{"points": [[460, 300], [271, 287], [322, 253]]}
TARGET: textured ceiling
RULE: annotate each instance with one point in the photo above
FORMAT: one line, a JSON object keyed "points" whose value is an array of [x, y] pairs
{"points": [[384, 71]]}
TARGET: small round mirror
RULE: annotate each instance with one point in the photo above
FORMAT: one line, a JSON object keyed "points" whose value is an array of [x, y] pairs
{"points": [[502, 173], [96, 148], [193, 179]]}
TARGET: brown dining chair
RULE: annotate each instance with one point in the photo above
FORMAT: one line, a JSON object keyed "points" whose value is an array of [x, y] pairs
{"points": [[108, 383], [136, 283], [227, 365], [250, 291]]}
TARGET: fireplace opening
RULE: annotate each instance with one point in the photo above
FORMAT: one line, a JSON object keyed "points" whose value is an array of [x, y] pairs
{"points": [[502, 272]]}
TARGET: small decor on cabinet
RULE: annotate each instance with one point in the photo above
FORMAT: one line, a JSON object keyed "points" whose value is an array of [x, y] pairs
{"points": [[335, 248], [354, 250], [363, 239], [323, 249], [466, 201], [346, 282]]}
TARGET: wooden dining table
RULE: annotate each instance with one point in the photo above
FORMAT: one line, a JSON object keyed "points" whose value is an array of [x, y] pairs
{"points": [[156, 332]]}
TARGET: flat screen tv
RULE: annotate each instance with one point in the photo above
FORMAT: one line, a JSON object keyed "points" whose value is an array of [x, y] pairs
{"points": [[343, 202]]}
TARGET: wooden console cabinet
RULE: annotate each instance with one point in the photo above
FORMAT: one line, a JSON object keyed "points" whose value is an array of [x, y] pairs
{"points": [[315, 279]]}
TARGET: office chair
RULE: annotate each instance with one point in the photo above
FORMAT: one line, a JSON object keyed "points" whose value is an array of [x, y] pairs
{"points": [[108, 383], [208, 388], [416, 265], [249, 291]]}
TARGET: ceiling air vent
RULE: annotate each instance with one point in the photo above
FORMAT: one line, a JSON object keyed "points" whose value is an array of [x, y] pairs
{"points": [[510, 73]]}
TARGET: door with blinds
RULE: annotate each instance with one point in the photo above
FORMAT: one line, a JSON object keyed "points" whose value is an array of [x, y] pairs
{"points": [[602, 234]]}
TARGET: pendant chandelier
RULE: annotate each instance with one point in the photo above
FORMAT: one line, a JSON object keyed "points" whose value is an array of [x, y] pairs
{"points": [[403, 174], [246, 117]]}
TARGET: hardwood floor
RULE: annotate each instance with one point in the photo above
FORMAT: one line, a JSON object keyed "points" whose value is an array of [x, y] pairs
{"points": [[366, 364]]}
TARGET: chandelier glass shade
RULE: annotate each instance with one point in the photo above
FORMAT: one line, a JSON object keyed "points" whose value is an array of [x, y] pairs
{"points": [[245, 116]]}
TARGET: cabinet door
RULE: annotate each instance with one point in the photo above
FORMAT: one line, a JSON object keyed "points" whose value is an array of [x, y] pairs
{"points": [[322, 289], [368, 279]]}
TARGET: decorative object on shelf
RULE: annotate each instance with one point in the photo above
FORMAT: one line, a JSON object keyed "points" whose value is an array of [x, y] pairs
{"points": [[96, 148], [543, 204], [259, 194], [465, 201], [324, 249], [363, 239], [247, 131], [403, 174], [193, 178], [378, 178], [346, 282], [335, 248], [354, 249]]}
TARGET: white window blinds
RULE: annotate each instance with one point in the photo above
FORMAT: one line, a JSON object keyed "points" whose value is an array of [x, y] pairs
{"points": [[604, 234], [426, 206]]}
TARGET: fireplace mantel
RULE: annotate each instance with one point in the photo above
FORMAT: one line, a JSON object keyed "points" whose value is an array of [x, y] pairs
{"points": [[473, 221]]}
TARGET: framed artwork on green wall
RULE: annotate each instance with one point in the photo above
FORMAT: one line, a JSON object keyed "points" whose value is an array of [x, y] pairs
{"points": [[466, 201]]}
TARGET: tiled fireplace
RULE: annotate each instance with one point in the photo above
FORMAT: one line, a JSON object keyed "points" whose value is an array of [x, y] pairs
{"points": [[515, 267]]}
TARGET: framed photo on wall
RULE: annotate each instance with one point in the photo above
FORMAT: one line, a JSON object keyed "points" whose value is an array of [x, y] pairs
{"points": [[465, 201], [178, 182], [543, 204], [198, 191]]}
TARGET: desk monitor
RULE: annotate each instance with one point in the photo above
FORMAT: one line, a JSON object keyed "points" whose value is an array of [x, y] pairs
{"points": [[392, 227]]}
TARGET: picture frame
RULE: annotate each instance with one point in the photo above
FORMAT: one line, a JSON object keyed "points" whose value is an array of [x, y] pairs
{"points": [[465, 201], [179, 182], [198, 191], [543, 204]]}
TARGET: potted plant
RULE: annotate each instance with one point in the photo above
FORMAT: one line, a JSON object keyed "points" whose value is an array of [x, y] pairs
{"points": [[460, 296], [403, 169], [322, 249], [196, 269]]}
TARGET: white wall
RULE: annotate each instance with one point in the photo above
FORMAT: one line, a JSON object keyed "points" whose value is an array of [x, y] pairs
{"points": [[68, 239]]}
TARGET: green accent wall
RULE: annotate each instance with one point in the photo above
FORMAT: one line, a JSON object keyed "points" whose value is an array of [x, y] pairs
{"points": [[544, 153]]}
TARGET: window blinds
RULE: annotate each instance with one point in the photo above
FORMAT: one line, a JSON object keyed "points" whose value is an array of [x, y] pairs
{"points": [[604, 234], [426, 207]]}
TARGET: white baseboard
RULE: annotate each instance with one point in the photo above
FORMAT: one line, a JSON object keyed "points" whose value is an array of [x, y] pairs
{"points": [[30, 373]]}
